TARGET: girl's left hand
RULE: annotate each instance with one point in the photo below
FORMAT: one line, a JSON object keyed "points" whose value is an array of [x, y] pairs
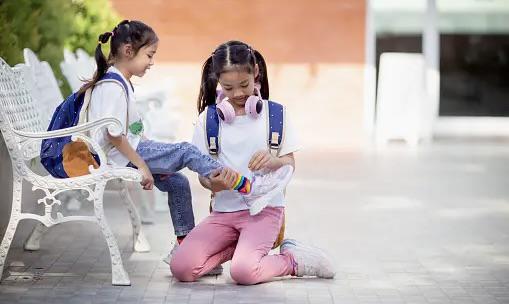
{"points": [[264, 160]]}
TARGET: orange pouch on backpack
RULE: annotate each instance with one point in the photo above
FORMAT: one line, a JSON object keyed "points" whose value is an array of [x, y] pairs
{"points": [[76, 159]]}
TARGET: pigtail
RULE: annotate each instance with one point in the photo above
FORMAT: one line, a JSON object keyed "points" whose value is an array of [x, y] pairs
{"points": [[101, 62], [262, 79], [207, 95]]}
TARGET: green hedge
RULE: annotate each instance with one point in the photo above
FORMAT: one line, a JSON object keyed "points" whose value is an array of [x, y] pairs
{"points": [[47, 26]]}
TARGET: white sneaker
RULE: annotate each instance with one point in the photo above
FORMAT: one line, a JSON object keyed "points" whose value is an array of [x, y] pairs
{"points": [[218, 270], [311, 261], [167, 259], [264, 187]]}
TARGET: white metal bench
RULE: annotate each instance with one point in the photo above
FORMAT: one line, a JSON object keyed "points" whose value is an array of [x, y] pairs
{"points": [[20, 124], [43, 88]]}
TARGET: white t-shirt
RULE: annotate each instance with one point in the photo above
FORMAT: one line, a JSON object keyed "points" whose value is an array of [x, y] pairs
{"points": [[108, 100], [238, 142]]}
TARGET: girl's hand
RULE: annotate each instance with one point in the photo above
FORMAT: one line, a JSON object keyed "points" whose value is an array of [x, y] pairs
{"points": [[264, 160], [147, 180], [223, 180]]}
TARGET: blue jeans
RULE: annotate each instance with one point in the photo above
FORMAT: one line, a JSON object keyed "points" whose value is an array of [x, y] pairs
{"points": [[168, 158]]}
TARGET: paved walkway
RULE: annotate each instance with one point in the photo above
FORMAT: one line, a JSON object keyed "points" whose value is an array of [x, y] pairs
{"points": [[428, 226]]}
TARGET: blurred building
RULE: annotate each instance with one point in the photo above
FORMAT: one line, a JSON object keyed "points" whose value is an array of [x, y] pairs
{"points": [[323, 57], [472, 48]]}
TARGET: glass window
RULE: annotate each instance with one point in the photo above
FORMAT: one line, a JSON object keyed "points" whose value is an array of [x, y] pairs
{"points": [[474, 57]]}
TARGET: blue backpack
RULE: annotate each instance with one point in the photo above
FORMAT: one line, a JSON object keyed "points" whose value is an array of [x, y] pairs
{"points": [[276, 122], [62, 157]]}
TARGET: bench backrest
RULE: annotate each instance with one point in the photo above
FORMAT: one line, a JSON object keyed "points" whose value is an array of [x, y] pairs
{"points": [[77, 68], [44, 87], [18, 110]]}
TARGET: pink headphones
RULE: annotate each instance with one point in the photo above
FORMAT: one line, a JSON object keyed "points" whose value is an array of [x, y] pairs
{"points": [[226, 112]]}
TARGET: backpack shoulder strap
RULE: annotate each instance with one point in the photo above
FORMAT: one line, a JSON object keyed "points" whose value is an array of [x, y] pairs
{"points": [[275, 127], [110, 76], [212, 130], [276, 122]]}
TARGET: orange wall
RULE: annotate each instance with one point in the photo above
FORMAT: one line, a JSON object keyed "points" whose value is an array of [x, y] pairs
{"points": [[314, 52], [285, 31]]}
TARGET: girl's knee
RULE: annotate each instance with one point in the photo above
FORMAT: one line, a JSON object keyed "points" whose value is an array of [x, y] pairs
{"points": [[173, 182], [179, 180], [244, 273], [182, 268]]}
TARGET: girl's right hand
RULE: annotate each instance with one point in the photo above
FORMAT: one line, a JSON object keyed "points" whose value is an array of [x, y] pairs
{"points": [[147, 179]]}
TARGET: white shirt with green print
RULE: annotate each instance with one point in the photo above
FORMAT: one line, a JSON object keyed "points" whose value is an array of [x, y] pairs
{"points": [[108, 100]]}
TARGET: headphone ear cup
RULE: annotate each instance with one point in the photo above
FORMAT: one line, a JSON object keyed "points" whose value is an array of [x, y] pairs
{"points": [[225, 111], [254, 106], [220, 96]]}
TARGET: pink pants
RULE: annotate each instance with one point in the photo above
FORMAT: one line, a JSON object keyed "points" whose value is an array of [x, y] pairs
{"points": [[237, 236]]}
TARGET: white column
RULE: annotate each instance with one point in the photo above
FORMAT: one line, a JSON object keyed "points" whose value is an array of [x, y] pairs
{"points": [[431, 51], [369, 74]]}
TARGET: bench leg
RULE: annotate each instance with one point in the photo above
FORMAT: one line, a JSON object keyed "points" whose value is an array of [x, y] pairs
{"points": [[140, 243], [160, 201], [146, 198], [146, 211], [13, 222], [118, 274], [33, 241]]}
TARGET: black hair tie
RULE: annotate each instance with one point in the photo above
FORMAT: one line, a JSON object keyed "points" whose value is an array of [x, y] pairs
{"points": [[103, 38]]}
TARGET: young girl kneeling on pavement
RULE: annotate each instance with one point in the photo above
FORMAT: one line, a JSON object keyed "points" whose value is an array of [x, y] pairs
{"points": [[231, 232], [133, 45]]}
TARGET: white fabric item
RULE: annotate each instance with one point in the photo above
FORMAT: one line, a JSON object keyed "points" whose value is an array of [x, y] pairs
{"points": [[238, 142], [265, 186], [109, 100]]}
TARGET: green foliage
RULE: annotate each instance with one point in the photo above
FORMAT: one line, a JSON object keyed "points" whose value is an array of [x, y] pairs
{"points": [[47, 26], [92, 17], [39, 25]]}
